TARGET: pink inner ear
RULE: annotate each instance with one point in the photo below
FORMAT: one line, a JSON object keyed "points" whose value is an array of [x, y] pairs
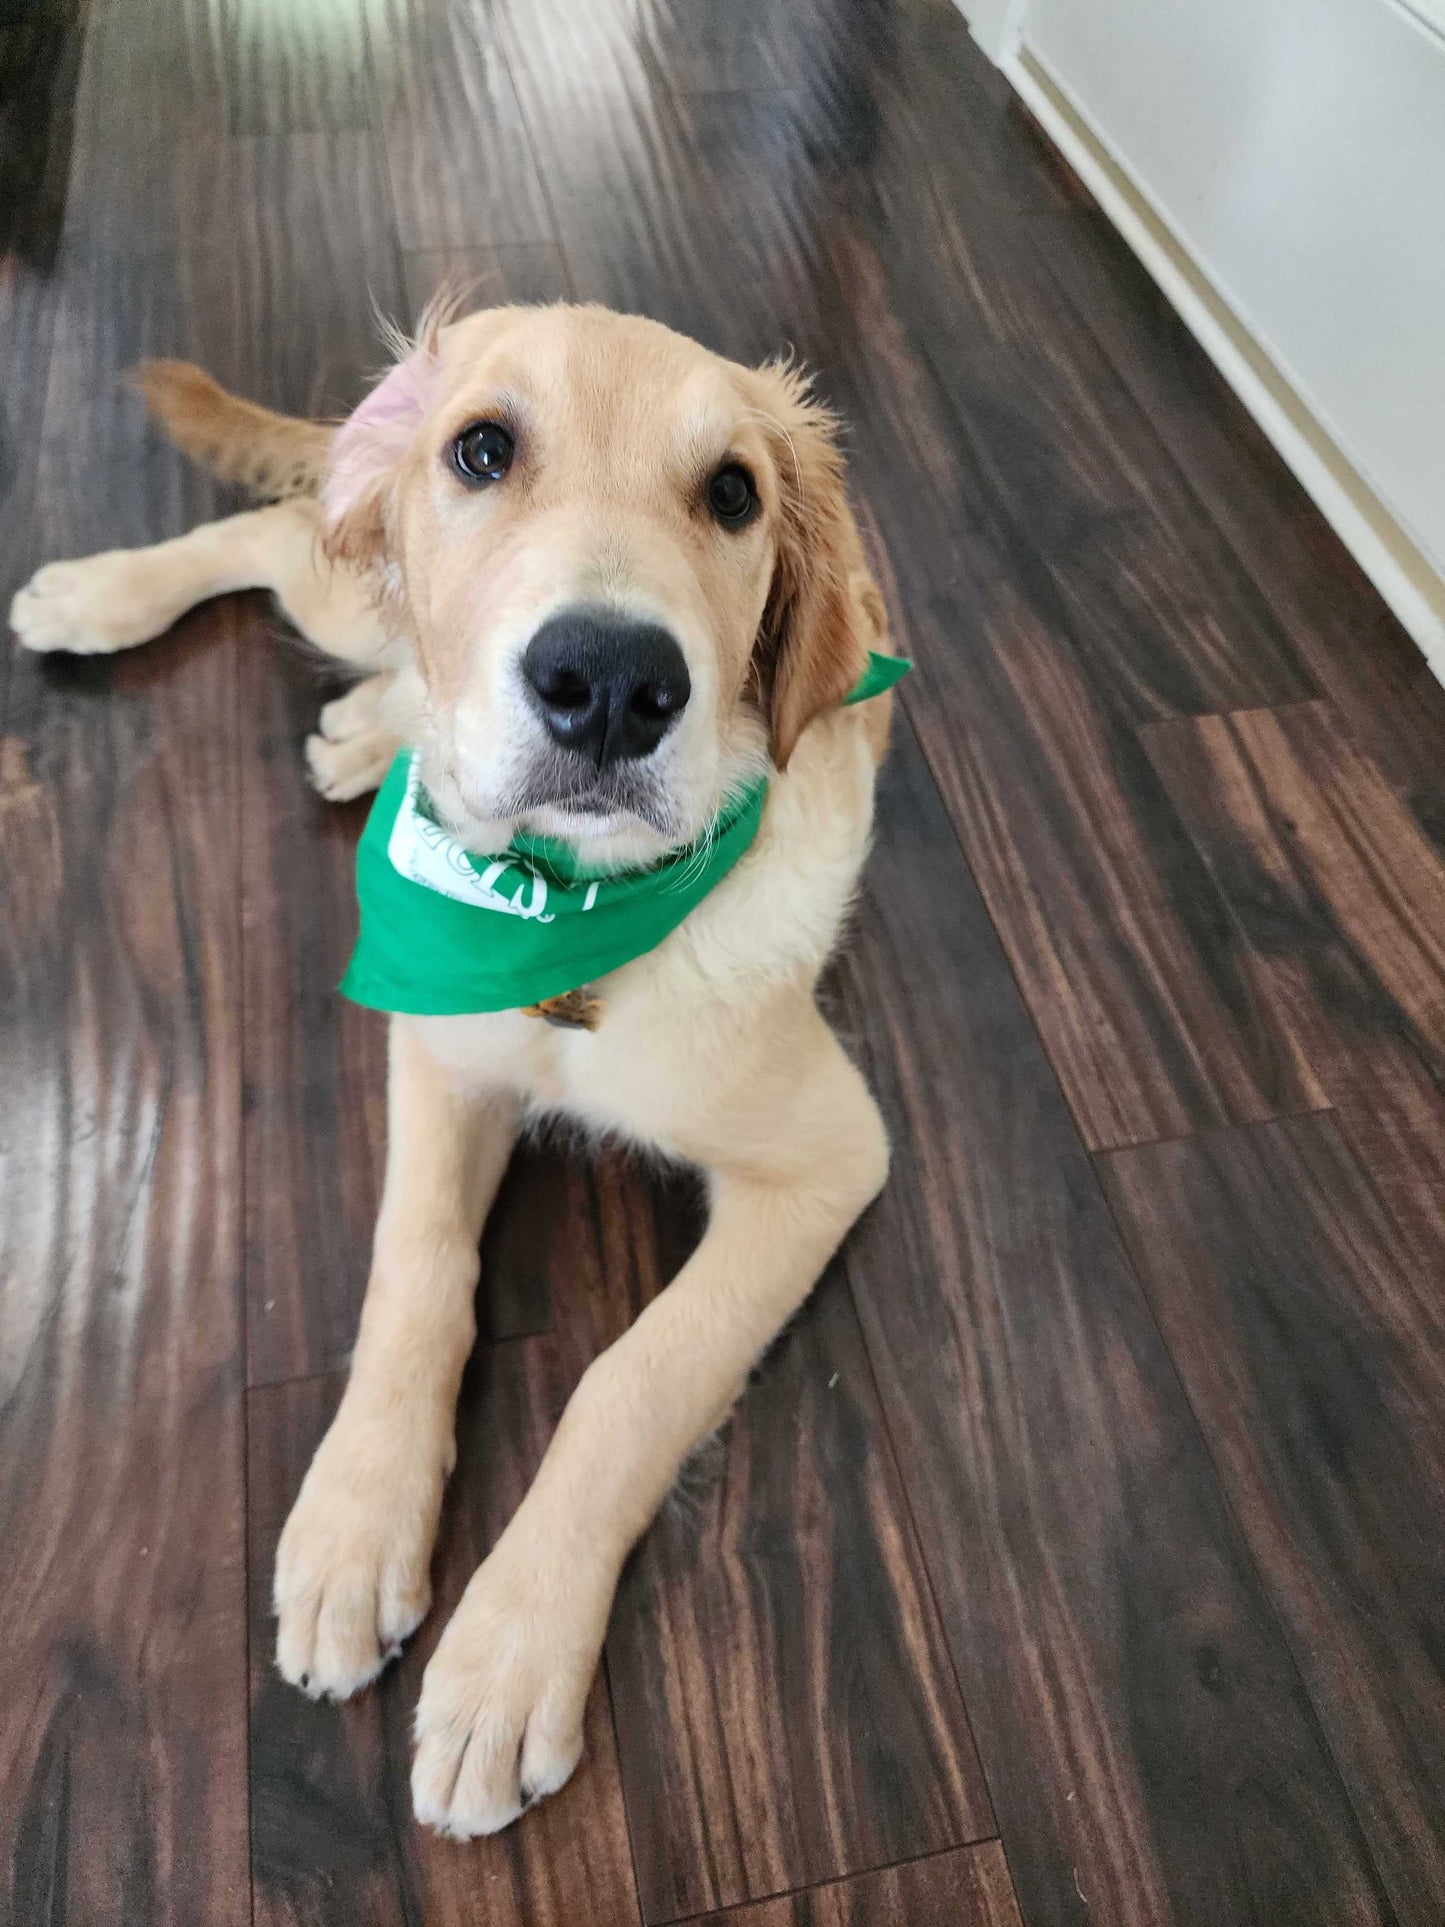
{"points": [[377, 432]]}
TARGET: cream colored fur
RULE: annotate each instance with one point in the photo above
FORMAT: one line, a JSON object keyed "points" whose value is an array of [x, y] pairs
{"points": [[711, 1050]]}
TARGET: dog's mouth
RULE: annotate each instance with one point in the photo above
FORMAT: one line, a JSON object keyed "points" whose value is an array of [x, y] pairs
{"points": [[574, 798]]}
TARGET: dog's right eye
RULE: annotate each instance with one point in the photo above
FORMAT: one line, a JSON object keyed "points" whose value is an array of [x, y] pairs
{"points": [[483, 453]]}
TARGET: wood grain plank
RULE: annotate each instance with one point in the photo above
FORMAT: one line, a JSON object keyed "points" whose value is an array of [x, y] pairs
{"points": [[974, 130], [295, 69], [966, 1888], [860, 87], [150, 130], [1312, 1346], [786, 1709], [111, 311], [315, 244], [40, 53], [1338, 893], [1136, 1707], [1093, 510], [1353, 647], [1397, 1133], [492, 276], [333, 1837], [707, 49], [27, 316], [122, 1762], [637, 229], [1155, 1018], [462, 171], [648, 217]]}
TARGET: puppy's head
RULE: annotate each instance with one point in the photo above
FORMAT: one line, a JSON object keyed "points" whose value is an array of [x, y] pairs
{"points": [[627, 567]]}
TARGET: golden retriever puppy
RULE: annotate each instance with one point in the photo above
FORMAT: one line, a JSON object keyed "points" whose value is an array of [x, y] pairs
{"points": [[603, 584]]}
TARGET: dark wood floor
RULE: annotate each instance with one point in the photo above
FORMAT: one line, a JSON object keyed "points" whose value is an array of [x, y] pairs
{"points": [[1079, 1550]]}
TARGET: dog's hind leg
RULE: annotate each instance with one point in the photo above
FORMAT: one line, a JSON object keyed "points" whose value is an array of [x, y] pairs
{"points": [[102, 603]]}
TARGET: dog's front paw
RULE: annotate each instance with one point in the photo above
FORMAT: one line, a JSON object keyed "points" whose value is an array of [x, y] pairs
{"points": [[352, 1579], [499, 1722], [354, 745], [93, 606]]}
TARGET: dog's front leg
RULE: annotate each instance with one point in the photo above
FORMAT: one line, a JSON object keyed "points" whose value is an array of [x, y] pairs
{"points": [[500, 1718], [352, 1567]]}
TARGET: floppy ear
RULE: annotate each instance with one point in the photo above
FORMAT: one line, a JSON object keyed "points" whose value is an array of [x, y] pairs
{"points": [[356, 496], [813, 643]]}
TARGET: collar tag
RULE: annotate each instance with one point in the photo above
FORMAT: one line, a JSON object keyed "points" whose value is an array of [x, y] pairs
{"points": [[579, 1009]]}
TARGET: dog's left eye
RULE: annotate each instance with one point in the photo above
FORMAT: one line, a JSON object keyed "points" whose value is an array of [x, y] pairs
{"points": [[731, 494], [483, 452]]}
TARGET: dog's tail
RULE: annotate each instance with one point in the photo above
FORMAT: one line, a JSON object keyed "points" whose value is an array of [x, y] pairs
{"points": [[272, 455]]}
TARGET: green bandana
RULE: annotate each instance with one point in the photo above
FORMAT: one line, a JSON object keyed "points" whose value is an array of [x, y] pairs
{"points": [[445, 933]]}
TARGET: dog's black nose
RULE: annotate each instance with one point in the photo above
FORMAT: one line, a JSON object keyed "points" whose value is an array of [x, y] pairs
{"points": [[604, 686]]}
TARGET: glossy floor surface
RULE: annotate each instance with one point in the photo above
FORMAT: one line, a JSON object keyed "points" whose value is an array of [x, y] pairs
{"points": [[1077, 1554]]}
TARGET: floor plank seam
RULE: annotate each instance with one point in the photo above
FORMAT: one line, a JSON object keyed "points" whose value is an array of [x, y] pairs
{"points": [[1203, 1132], [608, 1687], [339, 1368], [243, 1266], [839, 1880]]}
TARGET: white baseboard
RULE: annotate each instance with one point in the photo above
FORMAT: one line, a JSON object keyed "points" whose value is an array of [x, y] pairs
{"points": [[1403, 575]]}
